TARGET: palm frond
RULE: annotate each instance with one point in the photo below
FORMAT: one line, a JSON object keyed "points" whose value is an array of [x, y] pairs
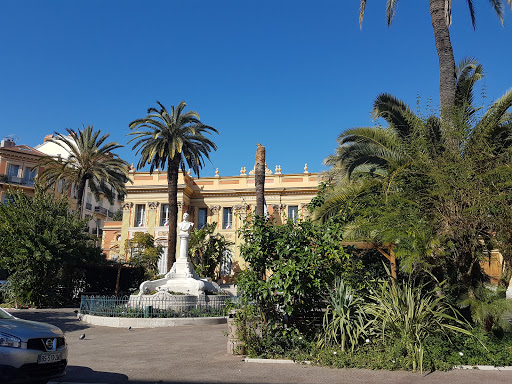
{"points": [[397, 114], [90, 158], [472, 13], [494, 115], [390, 10], [339, 198], [498, 8], [362, 7]]}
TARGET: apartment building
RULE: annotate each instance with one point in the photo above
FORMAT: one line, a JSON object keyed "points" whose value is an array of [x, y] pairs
{"points": [[18, 167]]}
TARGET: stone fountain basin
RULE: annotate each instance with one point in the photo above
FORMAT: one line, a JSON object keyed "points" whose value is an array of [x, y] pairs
{"points": [[165, 300]]}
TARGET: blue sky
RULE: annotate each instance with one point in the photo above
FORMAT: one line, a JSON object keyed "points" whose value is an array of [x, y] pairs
{"points": [[291, 75]]}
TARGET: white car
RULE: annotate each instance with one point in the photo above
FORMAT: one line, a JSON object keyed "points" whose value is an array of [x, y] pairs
{"points": [[30, 352]]}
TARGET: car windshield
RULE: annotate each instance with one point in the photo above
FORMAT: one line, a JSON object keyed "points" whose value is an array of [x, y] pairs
{"points": [[4, 315]]}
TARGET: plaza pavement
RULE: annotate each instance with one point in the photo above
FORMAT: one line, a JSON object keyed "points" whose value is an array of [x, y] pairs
{"points": [[198, 354]]}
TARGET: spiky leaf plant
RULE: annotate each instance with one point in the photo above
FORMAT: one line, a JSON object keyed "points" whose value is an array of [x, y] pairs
{"points": [[344, 322], [410, 314]]}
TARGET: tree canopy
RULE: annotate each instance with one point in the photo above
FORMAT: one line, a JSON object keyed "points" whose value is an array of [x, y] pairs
{"points": [[91, 159], [41, 239], [208, 250], [400, 184], [143, 252]]}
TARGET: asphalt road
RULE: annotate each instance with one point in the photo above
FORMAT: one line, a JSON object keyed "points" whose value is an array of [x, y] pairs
{"points": [[198, 354]]}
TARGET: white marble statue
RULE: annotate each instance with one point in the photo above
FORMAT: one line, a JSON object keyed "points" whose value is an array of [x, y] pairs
{"points": [[182, 276], [185, 226], [184, 233]]}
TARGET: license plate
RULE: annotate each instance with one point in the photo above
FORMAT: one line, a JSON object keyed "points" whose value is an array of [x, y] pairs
{"points": [[51, 358]]}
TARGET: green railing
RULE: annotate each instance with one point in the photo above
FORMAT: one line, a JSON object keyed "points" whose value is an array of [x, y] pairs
{"points": [[150, 307]]}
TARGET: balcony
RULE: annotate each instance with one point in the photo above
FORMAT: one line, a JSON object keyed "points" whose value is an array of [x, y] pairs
{"points": [[16, 180], [101, 210], [132, 230]]}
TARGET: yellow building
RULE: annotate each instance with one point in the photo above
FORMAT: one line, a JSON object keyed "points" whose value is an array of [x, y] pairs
{"points": [[225, 200], [18, 167]]}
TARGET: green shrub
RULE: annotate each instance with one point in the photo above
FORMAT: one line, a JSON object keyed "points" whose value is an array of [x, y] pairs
{"points": [[263, 339], [290, 268], [375, 354], [481, 349], [441, 353], [43, 248]]}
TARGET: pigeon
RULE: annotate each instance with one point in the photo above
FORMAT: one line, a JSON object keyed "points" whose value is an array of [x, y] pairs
{"points": [[129, 328], [82, 336], [76, 311]]}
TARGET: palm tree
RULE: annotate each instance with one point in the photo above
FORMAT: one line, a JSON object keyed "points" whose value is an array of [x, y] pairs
{"points": [[441, 18], [454, 195], [170, 140], [91, 160]]}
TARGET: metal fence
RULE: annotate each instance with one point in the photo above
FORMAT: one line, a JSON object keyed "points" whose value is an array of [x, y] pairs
{"points": [[157, 306]]}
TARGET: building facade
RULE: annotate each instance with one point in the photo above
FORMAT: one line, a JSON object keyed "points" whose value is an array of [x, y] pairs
{"points": [[225, 200], [18, 167]]}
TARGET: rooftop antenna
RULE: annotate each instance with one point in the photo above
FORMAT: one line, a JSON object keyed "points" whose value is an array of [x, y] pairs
{"points": [[12, 137]]}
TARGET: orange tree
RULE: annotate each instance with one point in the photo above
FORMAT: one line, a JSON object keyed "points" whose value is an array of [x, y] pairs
{"points": [[300, 260]]}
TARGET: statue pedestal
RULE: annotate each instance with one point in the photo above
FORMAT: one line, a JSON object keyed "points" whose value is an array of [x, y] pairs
{"points": [[182, 268]]}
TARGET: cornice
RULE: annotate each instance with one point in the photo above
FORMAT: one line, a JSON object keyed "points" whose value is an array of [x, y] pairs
{"points": [[18, 155], [153, 188], [252, 192], [195, 194]]}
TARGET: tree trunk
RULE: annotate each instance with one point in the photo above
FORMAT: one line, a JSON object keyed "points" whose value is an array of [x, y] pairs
{"points": [[506, 275], [118, 279], [172, 190], [80, 197], [259, 179], [447, 73]]}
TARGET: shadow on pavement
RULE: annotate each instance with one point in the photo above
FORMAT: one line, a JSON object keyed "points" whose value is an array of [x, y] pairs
{"points": [[65, 320], [79, 374], [191, 382]]}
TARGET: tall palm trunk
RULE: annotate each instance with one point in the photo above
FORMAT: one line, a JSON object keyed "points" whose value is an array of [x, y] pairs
{"points": [[447, 71], [172, 189], [80, 197], [259, 179]]}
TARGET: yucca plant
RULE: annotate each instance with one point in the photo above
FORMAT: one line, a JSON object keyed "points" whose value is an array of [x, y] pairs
{"points": [[344, 322], [407, 313]]}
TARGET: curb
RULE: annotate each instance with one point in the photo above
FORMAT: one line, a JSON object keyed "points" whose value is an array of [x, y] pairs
{"points": [[268, 361], [484, 367], [460, 367], [274, 361]]}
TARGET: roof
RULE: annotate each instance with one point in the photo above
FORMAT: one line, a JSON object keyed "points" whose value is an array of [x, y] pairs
{"points": [[24, 149]]}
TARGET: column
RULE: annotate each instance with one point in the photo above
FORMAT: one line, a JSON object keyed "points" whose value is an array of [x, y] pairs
{"points": [[127, 217]]}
